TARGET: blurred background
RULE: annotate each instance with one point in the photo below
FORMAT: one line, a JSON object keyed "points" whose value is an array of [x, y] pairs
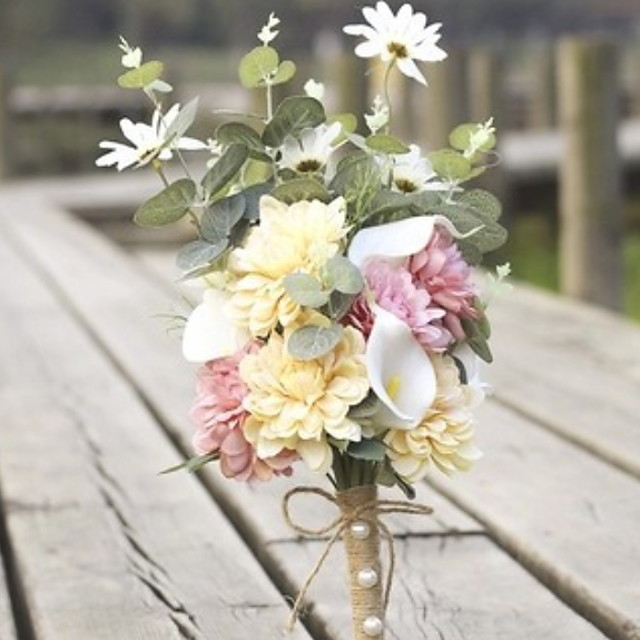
{"points": [[58, 96]]}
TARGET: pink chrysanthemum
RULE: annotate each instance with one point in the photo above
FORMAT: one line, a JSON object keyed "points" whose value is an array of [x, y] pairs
{"points": [[219, 417], [441, 270], [393, 289]]}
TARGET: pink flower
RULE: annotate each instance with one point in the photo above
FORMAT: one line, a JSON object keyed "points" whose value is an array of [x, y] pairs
{"points": [[441, 270], [219, 417]]}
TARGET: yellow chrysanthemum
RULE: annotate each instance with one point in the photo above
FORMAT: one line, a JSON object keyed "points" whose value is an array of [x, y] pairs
{"points": [[444, 437], [295, 404], [290, 238]]}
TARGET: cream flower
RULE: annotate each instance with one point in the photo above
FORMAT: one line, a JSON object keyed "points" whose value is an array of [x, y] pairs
{"points": [[444, 437], [402, 38], [413, 173], [295, 404], [290, 238]]}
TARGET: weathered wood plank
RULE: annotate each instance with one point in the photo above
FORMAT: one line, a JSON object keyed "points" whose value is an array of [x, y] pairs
{"points": [[568, 517], [105, 548], [112, 299], [7, 626], [456, 587], [576, 369]]}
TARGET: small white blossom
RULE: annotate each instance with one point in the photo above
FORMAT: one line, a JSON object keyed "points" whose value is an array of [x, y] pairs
{"points": [[496, 285], [132, 56], [413, 173], [379, 117], [215, 149], [480, 137], [268, 33], [401, 38], [311, 152], [149, 142], [314, 89]]}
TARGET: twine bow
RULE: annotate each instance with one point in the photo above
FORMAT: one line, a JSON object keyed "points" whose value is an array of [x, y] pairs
{"points": [[367, 511]]}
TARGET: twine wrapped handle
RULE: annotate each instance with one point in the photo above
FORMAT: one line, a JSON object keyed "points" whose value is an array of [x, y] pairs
{"points": [[356, 505]]}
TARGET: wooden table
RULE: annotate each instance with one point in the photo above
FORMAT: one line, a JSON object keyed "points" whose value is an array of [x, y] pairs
{"points": [[541, 541]]}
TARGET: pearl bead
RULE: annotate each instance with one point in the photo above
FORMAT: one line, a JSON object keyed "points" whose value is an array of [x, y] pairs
{"points": [[372, 626], [360, 530], [367, 578]]}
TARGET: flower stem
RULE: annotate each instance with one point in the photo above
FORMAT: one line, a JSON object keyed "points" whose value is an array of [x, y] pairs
{"points": [[387, 95]]}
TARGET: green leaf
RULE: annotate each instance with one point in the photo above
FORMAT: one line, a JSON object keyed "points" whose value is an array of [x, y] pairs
{"points": [[343, 275], [482, 201], [385, 143], [366, 409], [225, 168], [306, 290], [477, 339], [183, 121], [285, 72], [450, 164], [252, 197], [220, 218], [240, 133], [292, 116], [461, 138], [257, 66], [301, 189], [470, 252], [193, 464], [372, 450], [169, 206], [142, 76], [199, 253], [339, 304], [348, 122], [312, 341]]}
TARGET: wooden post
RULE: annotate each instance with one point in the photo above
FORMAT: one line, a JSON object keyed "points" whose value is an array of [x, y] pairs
{"points": [[542, 77], [445, 100], [591, 266], [4, 123], [351, 86]]}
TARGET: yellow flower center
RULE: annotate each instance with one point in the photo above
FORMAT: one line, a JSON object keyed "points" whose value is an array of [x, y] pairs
{"points": [[308, 166], [393, 387], [406, 186], [397, 50]]}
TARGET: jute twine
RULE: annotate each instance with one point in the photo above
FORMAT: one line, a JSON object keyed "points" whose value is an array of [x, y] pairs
{"points": [[360, 506]]}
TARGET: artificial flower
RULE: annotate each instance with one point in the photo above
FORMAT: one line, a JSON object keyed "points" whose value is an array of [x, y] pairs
{"points": [[219, 416], [400, 372], [131, 56], [441, 270], [444, 436], [310, 152], [268, 31], [314, 89], [401, 38], [209, 333], [379, 116], [413, 173], [290, 238], [297, 404], [149, 142]]}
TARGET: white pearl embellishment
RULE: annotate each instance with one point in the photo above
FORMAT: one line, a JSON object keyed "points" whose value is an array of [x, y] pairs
{"points": [[367, 578], [372, 626], [360, 530]]}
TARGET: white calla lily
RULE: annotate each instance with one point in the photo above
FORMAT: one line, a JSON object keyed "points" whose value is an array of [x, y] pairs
{"points": [[400, 372], [397, 239], [209, 333]]}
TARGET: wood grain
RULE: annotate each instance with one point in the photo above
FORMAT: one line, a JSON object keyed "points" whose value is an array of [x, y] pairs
{"points": [[7, 626], [106, 548], [113, 296]]}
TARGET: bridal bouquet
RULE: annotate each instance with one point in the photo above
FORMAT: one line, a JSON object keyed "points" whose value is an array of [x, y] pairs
{"points": [[342, 322]]}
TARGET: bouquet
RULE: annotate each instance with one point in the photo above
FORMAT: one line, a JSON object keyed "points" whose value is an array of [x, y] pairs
{"points": [[342, 321]]}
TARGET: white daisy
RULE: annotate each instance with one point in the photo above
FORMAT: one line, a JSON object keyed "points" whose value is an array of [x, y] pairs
{"points": [[149, 142], [402, 38], [413, 173], [311, 151]]}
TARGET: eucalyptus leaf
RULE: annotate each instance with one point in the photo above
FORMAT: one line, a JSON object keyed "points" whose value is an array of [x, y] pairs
{"points": [[225, 168], [293, 115], [306, 290], [339, 304], [461, 137], [343, 275], [199, 253], [366, 409], [348, 122], [301, 189], [312, 341], [252, 197], [450, 165], [284, 73], [141, 76], [240, 133], [257, 66], [482, 201], [220, 218], [193, 464], [385, 143], [169, 206], [185, 118], [367, 449]]}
